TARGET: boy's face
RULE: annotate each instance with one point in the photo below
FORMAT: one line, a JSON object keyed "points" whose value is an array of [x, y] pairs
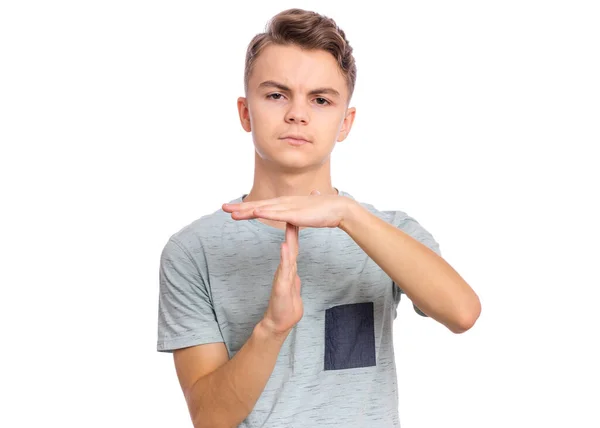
{"points": [[293, 92]]}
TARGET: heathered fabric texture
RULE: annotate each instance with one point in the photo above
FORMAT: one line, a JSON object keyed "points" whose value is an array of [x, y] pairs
{"points": [[336, 367]]}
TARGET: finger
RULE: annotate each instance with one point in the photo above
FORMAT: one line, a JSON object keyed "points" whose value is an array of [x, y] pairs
{"points": [[243, 215], [273, 207], [291, 240], [293, 268], [315, 192], [297, 241], [246, 214], [284, 257], [243, 206]]}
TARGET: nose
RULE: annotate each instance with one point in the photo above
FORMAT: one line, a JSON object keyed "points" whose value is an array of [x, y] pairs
{"points": [[297, 114]]}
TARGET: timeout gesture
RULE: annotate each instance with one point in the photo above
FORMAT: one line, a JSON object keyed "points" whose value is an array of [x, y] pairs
{"points": [[285, 307]]}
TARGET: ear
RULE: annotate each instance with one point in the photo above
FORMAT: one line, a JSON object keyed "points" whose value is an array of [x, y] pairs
{"points": [[244, 112], [347, 124]]}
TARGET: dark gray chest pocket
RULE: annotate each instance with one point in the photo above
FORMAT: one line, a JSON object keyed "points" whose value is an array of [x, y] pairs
{"points": [[349, 336]]}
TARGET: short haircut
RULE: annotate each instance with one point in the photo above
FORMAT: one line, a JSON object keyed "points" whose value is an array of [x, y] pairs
{"points": [[307, 30]]}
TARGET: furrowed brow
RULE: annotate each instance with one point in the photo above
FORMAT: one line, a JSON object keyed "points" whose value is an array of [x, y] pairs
{"points": [[272, 83], [324, 91], [282, 87]]}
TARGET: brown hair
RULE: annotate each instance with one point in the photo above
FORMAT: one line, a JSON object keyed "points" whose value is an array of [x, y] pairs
{"points": [[307, 30]]}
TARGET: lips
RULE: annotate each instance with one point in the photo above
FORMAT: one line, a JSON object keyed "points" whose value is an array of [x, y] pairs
{"points": [[295, 139]]}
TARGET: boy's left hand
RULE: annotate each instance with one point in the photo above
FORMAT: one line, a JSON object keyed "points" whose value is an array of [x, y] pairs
{"points": [[315, 210]]}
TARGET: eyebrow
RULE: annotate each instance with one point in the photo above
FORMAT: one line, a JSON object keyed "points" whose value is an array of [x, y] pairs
{"points": [[281, 86]]}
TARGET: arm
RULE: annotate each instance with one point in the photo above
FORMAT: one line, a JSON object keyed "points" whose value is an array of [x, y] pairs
{"points": [[426, 278], [226, 395], [226, 391]]}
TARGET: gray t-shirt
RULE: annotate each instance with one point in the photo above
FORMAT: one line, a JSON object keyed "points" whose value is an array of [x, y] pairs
{"points": [[336, 367]]}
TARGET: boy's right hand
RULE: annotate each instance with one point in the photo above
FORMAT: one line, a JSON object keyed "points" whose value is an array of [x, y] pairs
{"points": [[285, 305]]}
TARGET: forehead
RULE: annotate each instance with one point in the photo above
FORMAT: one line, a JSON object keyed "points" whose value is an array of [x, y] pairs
{"points": [[297, 68]]}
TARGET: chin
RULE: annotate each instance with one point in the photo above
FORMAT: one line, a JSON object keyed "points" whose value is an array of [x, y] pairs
{"points": [[290, 160]]}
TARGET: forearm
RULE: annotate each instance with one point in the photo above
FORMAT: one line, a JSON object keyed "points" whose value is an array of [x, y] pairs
{"points": [[225, 397], [426, 278]]}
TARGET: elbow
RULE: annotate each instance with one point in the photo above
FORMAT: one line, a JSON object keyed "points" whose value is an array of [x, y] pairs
{"points": [[205, 422], [467, 317], [212, 419]]}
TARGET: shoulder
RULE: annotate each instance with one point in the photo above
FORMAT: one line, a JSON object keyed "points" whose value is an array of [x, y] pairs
{"points": [[203, 231]]}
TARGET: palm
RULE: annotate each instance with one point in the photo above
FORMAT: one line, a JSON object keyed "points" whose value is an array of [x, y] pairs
{"points": [[285, 305], [286, 310], [314, 210]]}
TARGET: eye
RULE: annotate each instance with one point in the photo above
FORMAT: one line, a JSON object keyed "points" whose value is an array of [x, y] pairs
{"points": [[322, 101], [275, 96]]}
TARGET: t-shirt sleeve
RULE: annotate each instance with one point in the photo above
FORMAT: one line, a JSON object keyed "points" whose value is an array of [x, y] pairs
{"points": [[412, 227], [186, 316]]}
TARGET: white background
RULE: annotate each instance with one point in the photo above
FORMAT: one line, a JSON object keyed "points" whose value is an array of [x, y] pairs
{"points": [[119, 126]]}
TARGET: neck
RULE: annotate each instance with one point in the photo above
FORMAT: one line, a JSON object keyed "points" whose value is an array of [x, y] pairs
{"points": [[272, 181]]}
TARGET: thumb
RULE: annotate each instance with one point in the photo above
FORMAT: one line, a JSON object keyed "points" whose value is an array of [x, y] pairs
{"points": [[315, 192]]}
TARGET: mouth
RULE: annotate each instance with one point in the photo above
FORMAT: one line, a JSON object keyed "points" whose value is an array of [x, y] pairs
{"points": [[295, 141]]}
